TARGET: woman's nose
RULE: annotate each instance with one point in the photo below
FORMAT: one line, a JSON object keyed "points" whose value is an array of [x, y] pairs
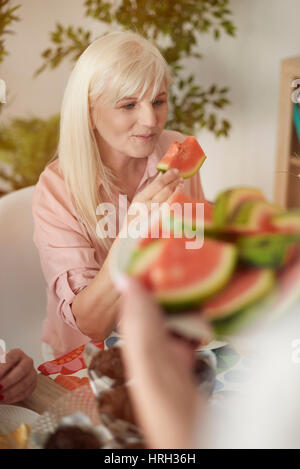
{"points": [[148, 116]]}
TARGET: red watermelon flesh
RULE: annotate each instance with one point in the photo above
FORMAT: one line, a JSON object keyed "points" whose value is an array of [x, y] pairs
{"points": [[246, 287], [156, 232], [187, 156], [189, 217], [182, 277], [181, 198]]}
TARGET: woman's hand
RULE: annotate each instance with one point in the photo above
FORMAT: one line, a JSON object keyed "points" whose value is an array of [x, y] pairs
{"points": [[157, 191], [161, 188], [163, 392], [18, 377]]}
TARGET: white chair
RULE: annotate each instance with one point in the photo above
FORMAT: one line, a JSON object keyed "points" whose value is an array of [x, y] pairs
{"points": [[22, 285]]}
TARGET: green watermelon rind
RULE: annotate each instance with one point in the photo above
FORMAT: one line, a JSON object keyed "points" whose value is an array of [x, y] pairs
{"points": [[260, 289], [226, 206], [243, 319], [162, 167], [191, 228], [192, 172], [185, 175], [179, 224], [188, 228], [272, 255], [287, 220], [142, 258], [192, 296], [246, 215], [219, 212]]}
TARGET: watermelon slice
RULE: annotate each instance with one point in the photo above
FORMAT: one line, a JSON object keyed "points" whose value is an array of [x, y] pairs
{"points": [[187, 156], [245, 288], [182, 278], [188, 214], [144, 256], [230, 200], [287, 222], [181, 219], [252, 216], [266, 250], [240, 322]]}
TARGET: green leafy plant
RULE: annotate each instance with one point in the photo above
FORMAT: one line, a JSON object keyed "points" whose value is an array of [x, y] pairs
{"points": [[25, 147], [7, 16], [175, 28]]}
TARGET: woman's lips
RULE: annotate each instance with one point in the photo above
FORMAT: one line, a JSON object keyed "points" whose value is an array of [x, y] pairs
{"points": [[145, 137]]}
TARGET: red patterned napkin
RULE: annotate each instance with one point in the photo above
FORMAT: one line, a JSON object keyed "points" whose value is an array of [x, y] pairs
{"points": [[70, 370]]}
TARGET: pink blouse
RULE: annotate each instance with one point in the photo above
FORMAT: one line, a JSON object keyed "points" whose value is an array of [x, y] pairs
{"points": [[71, 256]]}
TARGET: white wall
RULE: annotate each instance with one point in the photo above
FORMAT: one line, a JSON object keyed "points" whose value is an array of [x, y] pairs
{"points": [[268, 30]]}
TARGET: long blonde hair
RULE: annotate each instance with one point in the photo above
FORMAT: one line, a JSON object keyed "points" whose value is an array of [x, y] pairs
{"points": [[121, 64]]}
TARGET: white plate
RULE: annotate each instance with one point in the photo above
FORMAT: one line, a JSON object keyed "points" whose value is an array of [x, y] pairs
{"points": [[213, 345], [12, 416]]}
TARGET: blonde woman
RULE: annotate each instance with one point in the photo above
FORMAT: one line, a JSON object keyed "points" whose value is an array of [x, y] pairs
{"points": [[112, 137]]}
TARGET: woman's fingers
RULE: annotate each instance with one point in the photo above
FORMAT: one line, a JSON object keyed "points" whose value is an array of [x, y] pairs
{"points": [[161, 181], [179, 187], [160, 190], [167, 191], [11, 359], [17, 373], [21, 389], [19, 377]]}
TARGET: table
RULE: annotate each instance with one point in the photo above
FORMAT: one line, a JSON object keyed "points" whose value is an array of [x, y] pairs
{"points": [[46, 392]]}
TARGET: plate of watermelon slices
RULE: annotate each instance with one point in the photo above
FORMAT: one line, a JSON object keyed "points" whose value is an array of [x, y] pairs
{"points": [[246, 271]]}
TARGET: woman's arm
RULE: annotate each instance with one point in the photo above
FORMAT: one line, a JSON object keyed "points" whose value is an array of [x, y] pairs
{"points": [[96, 307]]}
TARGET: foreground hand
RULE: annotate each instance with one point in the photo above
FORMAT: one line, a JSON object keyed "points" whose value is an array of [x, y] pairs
{"points": [[18, 377], [164, 392]]}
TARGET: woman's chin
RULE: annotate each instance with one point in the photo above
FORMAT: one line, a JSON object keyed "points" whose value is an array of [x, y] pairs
{"points": [[141, 152], [142, 149]]}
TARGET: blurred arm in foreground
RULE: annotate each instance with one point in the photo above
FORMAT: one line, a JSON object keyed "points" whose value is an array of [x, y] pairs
{"points": [[164, 392], [267, 415]]}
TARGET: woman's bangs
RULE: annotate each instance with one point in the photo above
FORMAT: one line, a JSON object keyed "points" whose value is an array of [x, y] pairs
{"points": [[139, 78]]}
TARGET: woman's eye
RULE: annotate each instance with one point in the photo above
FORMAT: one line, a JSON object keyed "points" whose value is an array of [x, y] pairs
{"points": [[128, 106], [158, 102]]}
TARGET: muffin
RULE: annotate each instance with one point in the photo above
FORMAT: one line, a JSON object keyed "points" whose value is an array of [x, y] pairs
{"points": [[116, 404], [73, 437], [109, 363]]}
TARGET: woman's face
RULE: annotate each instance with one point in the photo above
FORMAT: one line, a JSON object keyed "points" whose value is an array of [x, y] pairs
{"points": [[133, 126]]}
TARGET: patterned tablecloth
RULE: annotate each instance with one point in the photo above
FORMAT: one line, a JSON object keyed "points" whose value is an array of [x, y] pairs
{"points": [[232, 369]]}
